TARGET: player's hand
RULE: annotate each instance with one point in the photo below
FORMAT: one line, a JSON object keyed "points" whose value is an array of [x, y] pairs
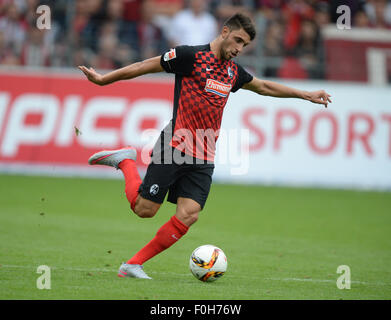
{"points": [[321, 97], [92, 75]]}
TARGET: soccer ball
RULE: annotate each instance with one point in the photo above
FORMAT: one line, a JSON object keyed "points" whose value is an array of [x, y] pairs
{"points": [[208, 263]]}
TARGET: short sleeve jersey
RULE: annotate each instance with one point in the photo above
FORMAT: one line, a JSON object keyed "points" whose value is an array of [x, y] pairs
{"points": [[202, 87]]}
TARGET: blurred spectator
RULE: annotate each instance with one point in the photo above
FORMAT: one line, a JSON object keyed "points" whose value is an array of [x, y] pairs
{"points": [[132, 17], [113, 33], [111, 48], [80, 20], [152, 38], [273, 46], [89, 33], [132, 10], [107, 32], [294, 12], [193, 26], [107, 46], [361, 20], [28, 10], [223, 9], [123, 56], [379, 13], [35, 52], [13, 29], [161, 12], [81, 57], [309, 49], [3, 46], [115, 26], [292, 37], [59, 55], [322, 14], [273, 42], [7, 55], [61, 13]]}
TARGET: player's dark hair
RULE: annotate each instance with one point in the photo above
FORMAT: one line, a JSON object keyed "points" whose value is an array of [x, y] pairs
{"points": [[239, 21]]}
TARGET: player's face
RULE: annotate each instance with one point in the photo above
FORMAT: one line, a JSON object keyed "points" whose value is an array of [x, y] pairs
{"points": [[233, 42]]}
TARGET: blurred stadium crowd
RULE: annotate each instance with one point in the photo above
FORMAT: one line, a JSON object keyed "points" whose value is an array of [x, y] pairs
{"points": [[109, 34]]}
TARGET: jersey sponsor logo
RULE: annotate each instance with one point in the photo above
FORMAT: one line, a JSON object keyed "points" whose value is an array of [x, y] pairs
{"points": [[169, 55], [219, 88]]}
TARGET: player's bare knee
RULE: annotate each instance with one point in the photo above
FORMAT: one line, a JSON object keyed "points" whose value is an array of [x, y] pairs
{"points": [[146, 213], [188, 217], [146, 209], [187, 211], [192, 218]]}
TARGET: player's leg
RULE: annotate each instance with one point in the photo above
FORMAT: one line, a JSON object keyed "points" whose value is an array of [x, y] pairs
{"points": [[187, 211], [144, 208], [186, 214], [165, 237], [152, 191], [189, 192], [132, 180], [125, 160], [145, 199]]}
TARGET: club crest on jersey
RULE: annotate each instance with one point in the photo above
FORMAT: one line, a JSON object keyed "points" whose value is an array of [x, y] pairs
{"points": [[154, 190], [169, 55], [219, 88], [230, 72]]}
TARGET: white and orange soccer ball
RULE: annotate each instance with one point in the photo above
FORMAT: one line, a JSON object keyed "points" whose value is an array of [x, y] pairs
{"points": [[208, 263]]}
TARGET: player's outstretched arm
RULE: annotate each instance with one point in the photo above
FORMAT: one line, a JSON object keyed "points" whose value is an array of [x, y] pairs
{"points": [[131, 71], [274, 89]]}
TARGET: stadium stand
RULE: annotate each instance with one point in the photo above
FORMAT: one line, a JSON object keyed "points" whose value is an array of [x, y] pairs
{"points": [[108, 34]]}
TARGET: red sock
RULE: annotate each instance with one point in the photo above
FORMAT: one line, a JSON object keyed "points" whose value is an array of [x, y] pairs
{"points": [[166, 236], [132, 180]]}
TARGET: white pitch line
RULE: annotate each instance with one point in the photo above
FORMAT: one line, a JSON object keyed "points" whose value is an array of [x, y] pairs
{"points": [[331, 281], [188, 275], [58, 268], [85, 270]]}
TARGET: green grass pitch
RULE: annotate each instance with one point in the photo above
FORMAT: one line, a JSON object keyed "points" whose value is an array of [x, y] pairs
{"points": [[281, 243]]}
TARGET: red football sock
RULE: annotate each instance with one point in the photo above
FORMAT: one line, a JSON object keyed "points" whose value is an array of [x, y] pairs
{"points": [[132, 180], [166, 236]]}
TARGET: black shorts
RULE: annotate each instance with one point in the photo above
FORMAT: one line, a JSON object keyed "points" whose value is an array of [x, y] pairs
{"points": [[179, 180], [174, 172]]}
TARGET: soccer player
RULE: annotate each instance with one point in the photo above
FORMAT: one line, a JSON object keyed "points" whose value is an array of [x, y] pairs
{"points": [[182, 160]]}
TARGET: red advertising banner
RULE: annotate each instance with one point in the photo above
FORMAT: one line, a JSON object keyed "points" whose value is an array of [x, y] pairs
{"points": [[52, 124], [60, 119]]}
